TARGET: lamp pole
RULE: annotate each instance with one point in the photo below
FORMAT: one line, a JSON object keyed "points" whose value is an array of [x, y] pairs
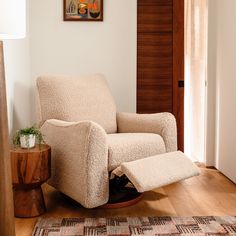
{"points": [[7, 227]]}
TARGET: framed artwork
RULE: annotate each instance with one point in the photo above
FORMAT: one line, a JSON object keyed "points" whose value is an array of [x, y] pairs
{"points": [[83, 10]]}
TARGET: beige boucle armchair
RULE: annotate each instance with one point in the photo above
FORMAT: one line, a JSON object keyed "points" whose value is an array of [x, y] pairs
{"points": [[89, 138]]}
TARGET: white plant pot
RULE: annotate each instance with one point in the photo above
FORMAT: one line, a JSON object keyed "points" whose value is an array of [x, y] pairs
{"points": [[27, 141]]}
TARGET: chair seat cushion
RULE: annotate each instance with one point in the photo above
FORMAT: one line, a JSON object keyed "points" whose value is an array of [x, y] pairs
{"points": [[126, 147]]}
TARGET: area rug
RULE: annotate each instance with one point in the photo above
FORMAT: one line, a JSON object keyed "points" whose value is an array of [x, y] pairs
{"points": [[122, 226]]}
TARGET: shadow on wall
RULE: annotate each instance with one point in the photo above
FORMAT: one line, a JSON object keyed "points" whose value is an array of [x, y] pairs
{"points": [[22, 103]]}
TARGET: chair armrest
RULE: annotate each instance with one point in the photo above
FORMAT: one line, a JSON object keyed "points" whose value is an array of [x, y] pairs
{"points": [[163, 124], [79, 160]]}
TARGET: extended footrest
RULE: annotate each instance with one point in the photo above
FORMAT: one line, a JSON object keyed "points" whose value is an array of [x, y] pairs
{"points": [[157, 171]]}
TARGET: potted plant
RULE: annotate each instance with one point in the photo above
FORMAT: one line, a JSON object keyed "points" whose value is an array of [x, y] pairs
{"points": [[27, 137]]}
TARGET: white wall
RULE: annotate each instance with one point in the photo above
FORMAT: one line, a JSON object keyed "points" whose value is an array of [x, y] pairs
{"points": [[18, 82], [222, 50], [77, 48], [74, 48]]}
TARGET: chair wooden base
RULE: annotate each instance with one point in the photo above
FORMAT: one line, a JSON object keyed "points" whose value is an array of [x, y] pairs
{"points": [[123, 198], [121, 194]]}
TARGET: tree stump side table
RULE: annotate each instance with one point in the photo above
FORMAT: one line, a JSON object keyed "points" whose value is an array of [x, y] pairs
{"points": [[30, 169]]}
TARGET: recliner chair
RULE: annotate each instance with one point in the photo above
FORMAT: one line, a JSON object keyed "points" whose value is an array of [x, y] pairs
{"points": [[89, 138]]}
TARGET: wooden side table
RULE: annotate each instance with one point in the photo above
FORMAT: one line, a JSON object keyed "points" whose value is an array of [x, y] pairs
{"points": [[30, 169]]}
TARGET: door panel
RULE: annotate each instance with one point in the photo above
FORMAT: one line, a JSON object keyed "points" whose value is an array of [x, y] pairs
{"points": [[161, 22], [160, 59]]}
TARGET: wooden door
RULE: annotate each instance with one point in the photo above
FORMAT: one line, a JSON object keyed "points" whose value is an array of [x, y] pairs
{"points": [[160, 59]]}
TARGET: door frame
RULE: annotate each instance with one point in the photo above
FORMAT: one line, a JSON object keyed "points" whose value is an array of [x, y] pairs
{"points": [[178, 69]]}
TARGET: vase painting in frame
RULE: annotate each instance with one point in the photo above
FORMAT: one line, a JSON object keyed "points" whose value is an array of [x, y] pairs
{"points": [[83, 10]]}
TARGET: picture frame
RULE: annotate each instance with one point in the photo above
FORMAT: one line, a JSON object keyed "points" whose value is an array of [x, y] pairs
{"points": [[83, 10]]}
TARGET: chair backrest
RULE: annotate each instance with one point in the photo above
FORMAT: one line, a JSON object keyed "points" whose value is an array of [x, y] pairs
{"points": [[77, 99]]}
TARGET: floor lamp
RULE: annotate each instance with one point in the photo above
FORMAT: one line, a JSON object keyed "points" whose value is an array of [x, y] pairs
{"points": [[12, 26]]}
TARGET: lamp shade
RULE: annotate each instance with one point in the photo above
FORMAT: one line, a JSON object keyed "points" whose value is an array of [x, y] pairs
{"points": [[12, 19]]}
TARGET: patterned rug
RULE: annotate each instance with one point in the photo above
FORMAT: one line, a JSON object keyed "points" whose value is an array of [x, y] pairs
{"points": [[198, 225]]}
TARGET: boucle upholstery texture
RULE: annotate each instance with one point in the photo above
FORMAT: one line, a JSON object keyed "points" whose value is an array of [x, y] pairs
{"points": [[79, 160], [77, 99], [157, 171], [132, 146], [79, 121], [163, 124]]}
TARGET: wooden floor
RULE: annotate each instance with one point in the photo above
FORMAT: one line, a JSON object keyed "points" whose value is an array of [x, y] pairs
{"points": [[211, 193]]}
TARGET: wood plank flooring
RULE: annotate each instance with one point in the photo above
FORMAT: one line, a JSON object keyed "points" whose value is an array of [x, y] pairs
{"points": [[211, 193]]}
